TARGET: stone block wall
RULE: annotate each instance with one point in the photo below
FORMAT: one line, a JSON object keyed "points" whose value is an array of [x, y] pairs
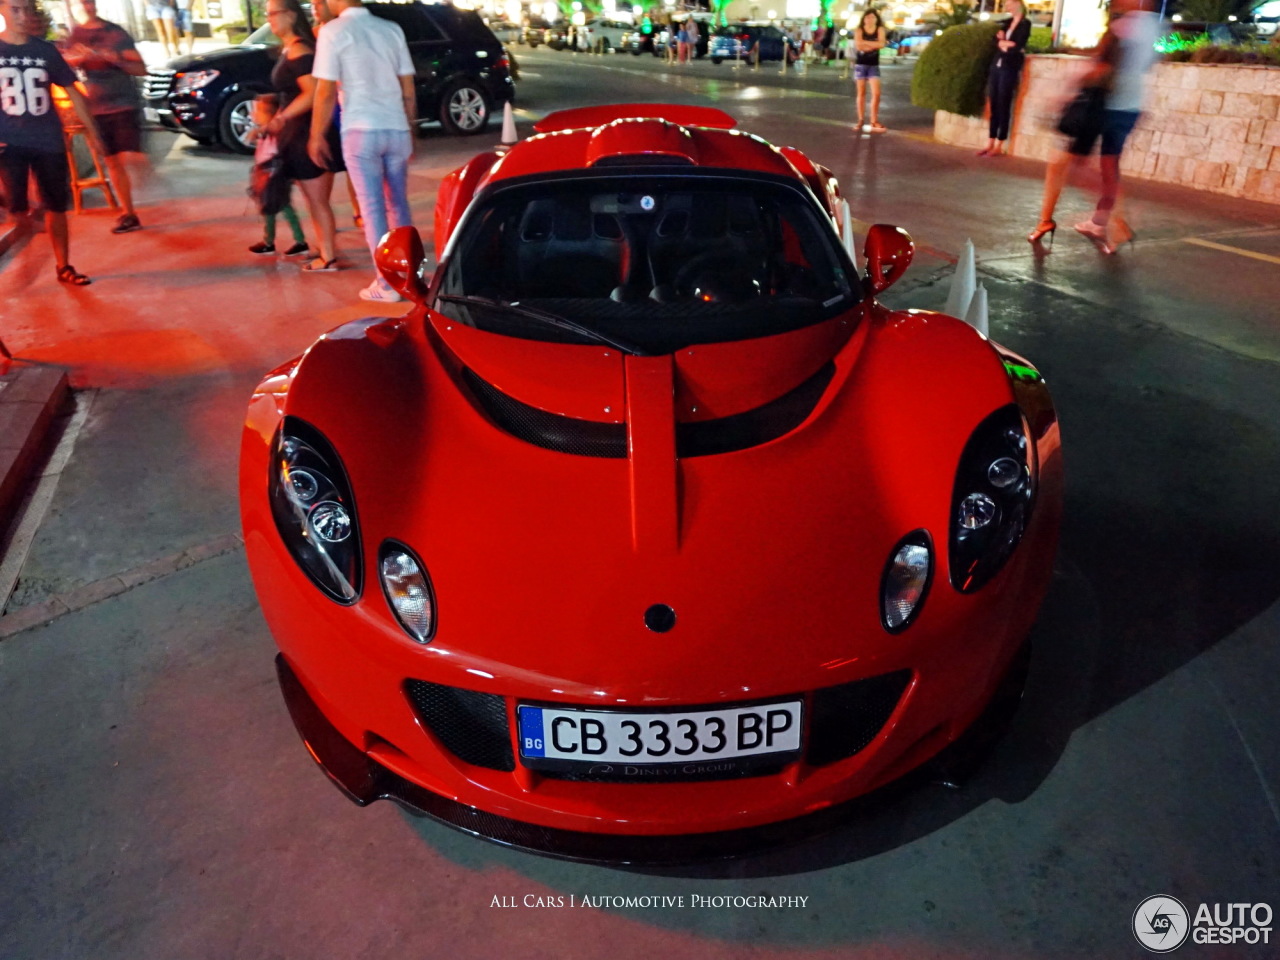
{"points": [[1211, 126]]}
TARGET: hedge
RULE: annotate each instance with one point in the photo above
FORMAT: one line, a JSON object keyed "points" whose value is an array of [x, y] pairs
{"points": [[951, 73]]}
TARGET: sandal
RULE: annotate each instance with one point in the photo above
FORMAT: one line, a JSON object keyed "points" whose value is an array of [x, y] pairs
{"points": [[878, 128], [320, 265], [69, 274]]}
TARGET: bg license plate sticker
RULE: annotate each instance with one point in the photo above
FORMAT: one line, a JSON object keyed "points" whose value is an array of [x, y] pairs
{"points": [[658, 738]]}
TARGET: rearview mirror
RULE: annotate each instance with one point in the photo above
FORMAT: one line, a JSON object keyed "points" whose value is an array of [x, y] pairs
{"points": [[399, 258], [888, 252]]}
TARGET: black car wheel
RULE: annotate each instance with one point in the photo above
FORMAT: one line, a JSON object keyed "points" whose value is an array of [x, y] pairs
{"points": [[717, 59], [236, 122], [464, 108]]}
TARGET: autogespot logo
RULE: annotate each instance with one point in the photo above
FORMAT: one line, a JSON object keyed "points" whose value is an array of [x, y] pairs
{"points": [[1161, 924]]}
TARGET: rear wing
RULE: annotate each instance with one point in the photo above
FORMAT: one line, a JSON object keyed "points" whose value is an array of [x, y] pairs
{"points": [[683, 114]]}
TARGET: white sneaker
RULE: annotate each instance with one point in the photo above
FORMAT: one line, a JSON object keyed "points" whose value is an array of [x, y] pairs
{"points": [[379, 292]]}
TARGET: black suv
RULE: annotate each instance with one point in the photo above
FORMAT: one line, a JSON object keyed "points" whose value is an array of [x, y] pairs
{"points": [[462, 74]]}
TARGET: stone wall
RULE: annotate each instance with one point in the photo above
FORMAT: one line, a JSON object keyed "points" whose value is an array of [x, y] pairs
{"points": [[1212, 126]]}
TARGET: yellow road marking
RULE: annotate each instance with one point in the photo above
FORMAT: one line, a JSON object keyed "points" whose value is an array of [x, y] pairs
{"points": [[1253, 254]]}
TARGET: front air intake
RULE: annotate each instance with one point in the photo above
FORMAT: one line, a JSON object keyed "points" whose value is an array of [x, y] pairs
{"points": [[472, 726]]}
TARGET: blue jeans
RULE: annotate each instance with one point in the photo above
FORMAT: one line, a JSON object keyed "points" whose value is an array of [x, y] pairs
{"points": [[378, 165]]}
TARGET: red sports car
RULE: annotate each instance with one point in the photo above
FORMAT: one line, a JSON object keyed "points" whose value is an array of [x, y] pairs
{"points": [[649, 528]]}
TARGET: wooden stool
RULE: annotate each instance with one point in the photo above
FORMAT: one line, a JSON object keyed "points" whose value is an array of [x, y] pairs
{"points": [[100, 181]]}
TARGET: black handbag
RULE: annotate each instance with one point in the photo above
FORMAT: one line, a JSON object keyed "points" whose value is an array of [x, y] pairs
{"points": [[1083, 115], [269, 186]]}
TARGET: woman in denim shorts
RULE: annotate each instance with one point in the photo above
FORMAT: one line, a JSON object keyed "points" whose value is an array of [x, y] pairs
{"points": [[868, 41]]}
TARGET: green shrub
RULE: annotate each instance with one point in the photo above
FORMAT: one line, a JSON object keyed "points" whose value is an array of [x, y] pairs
{"points": [[1041, 40], [951, 73]]}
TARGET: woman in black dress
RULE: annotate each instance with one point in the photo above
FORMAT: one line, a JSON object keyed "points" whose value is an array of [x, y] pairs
{"points": [[1006, 68], [292, 80]]}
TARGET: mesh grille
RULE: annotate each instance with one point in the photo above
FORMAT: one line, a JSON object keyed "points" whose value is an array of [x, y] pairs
{"points": [[583, 438], [472, 726], [753, 427], [845, 719], [157, 83]]}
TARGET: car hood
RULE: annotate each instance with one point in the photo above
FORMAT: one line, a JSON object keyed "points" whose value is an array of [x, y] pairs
{"points": [[544, 561], [215, 58]]}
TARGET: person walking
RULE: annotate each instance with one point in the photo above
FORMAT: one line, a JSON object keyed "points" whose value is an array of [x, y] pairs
{"points": [[367, 59], [183, 26], [868, 41], [293, 80], [266, 149], [163, 16], [31, 138], [107, 57], [324, 15], [1002, 81], [1116, 75]]}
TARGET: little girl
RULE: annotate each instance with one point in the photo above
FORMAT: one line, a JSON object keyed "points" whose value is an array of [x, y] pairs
{"points": [[264, 108]]}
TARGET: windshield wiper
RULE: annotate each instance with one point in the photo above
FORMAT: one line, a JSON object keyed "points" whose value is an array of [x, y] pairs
{"points": [[547, 319]]}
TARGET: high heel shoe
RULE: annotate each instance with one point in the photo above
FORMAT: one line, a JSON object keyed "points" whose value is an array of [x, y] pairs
{"points": [[1097, 232], [1044, 226]]}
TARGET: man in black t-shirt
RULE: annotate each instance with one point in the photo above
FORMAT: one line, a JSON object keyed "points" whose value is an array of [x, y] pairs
{"points": [[30, 131], [110, 61]]}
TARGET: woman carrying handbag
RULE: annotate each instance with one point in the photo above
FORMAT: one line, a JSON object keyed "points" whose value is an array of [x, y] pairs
{"points": [[1107, 108]]}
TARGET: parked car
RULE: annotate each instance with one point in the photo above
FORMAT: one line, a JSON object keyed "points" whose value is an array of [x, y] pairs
{"points": [[745, 41], [534, 32], [506, 31], [606, 36], [640, 40], [623, 542], [462, 75]]}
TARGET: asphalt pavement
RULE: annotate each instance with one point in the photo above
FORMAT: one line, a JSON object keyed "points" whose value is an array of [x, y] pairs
{"points": [[155, 801]]}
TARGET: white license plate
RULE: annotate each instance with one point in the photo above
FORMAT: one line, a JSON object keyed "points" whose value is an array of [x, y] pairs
{"points": [[596, 736], [151, 114]]}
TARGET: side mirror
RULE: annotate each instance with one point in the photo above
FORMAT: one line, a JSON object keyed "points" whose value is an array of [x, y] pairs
{"points": [[888, 252], [399, 258]]}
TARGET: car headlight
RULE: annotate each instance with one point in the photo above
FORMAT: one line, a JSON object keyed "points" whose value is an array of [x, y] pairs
{"points": [[187, 82], [313, 509], [992, 499], [905, 580], [408, 590]]}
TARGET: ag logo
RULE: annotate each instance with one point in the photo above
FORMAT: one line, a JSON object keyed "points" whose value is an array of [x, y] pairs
{"points": [[1161, 924]]}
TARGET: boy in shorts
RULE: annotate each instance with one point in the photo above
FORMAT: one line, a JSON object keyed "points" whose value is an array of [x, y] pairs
{"points": [[110, 61], [30, 130]]}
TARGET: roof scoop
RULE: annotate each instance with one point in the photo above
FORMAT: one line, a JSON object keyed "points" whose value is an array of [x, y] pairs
{"points": [[641, 141]]}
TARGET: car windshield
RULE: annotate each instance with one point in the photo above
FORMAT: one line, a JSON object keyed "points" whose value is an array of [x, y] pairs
{"points": [[661, 261]]}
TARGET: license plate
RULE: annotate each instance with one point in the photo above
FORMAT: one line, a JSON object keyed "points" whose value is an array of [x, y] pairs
{"points": [[678, 737], [151, 114]]}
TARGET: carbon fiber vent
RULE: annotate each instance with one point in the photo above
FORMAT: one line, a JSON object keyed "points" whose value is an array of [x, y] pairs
{"points": [[590, 438], [583, 438], [845, 719], [472, 726], [753, 427]]}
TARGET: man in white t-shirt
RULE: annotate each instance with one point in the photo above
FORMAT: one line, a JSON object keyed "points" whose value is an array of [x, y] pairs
{"points": [[365, 60]]}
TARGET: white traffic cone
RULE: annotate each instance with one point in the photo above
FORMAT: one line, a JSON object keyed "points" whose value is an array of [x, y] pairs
{"points": [[509, 136], [963, 283], [976, 315]]}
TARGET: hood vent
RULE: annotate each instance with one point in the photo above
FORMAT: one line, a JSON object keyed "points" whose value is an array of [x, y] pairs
{"points": [[702, 438], [582, 438]]}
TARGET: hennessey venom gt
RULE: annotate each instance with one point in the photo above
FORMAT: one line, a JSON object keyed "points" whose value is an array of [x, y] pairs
{"points": [[648, 529]]}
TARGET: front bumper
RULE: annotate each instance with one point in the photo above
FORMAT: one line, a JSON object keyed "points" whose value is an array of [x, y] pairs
{"points": [[363, 780]]}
